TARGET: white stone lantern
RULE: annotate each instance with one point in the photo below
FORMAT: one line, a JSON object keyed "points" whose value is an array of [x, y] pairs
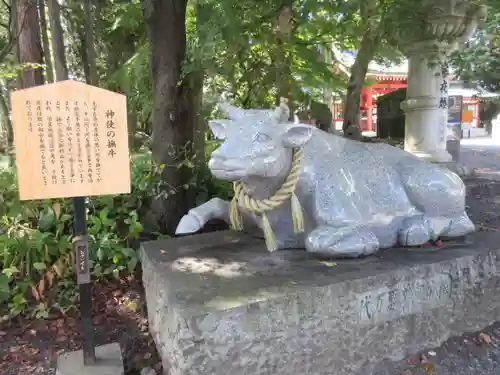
{"points": [[444, 25]]}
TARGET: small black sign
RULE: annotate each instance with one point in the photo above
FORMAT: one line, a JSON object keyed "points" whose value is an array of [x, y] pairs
{"points": [[81, 249]]}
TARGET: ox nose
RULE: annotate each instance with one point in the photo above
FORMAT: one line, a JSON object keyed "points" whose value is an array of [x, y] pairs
{"points": [[217, 160], [218, 157], [214, 163]]}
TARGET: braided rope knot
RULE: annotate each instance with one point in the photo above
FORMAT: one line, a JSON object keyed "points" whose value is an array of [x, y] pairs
{"points": [[261, 207]]}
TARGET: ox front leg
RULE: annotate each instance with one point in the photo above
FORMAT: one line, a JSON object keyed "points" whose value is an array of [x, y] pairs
{"points": [[342, 242], [197, 217]]}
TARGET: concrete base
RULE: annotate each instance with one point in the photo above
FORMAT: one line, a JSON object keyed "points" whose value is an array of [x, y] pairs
{"points": [[219, 303], [438, 156], [109, 362], [453, 148]]}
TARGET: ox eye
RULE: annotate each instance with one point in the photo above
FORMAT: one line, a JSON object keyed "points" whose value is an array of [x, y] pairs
{"points": [[262, 137]]}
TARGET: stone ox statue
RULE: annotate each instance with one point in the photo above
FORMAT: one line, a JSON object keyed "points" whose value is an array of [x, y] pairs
{"points": [[336, 197]]}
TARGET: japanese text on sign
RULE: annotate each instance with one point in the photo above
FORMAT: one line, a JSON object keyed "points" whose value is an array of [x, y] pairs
{"points": [[443, 100], [60, 136], [110, 125], [81, 249], [97, 142]]}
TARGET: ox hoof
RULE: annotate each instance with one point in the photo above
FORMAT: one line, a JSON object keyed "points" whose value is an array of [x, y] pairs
{"points": [[459, 226], [188, 224], [342, 243], [415, 231]]}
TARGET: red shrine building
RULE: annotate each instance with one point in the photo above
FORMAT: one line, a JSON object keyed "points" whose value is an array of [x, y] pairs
{"points": [[381, 80]]}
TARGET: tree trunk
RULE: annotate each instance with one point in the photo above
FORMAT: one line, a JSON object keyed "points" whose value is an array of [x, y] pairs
{"points": [[14, 33], [30, 47], [369, 44], [351, 126], [173, 126], [200, 127], [49, 73], [97, 26], [61, 67], [92, 78], [82, 50], [5, 118], [283, 58]]}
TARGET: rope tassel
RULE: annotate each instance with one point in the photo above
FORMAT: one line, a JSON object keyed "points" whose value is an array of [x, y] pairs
{"points": [[297, 214], [271, 243], [234, 216], [284, 193]]}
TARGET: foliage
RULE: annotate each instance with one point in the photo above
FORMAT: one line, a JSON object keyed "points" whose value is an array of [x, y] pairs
{"points": [[36, 237], [479, 60], [35, 240], [240, 53]]}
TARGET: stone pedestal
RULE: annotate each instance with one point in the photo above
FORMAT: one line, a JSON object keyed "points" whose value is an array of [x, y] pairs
{"points": [[220, 303], [109, 361]]}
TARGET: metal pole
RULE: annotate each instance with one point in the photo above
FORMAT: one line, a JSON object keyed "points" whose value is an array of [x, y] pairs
{"points": [[81, 248]]}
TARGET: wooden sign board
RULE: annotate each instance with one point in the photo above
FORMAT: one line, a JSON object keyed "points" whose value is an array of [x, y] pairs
{"points": [[71, 140]]}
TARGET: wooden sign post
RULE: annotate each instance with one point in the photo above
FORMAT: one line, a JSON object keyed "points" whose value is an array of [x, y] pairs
{"points": [[71, 140]]}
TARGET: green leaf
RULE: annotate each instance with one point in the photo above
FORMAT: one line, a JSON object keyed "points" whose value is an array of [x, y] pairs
{"points": [[4, 288], [41, 239], [103, 215], [100, 254], [47, 218], [10, 271], [65, 217], [19, 299], [132, 264], [96, 225], [129, 252], [39, 266]]}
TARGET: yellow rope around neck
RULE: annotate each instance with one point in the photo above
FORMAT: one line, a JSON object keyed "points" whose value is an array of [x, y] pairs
{"points": [[284, 193]]}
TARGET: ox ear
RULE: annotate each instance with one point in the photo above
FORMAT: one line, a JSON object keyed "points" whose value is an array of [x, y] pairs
{"points": [[296, 135], [218, 128], [282, 112]]}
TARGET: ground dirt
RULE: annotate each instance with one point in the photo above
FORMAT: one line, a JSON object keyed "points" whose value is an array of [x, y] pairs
{"points": [[30, 347]]}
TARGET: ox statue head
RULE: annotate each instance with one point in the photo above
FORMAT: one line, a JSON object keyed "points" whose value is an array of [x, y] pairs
{"points": [[256, 143]]}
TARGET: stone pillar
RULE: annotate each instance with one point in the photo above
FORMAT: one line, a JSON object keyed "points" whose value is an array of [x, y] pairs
{"points": [[425, 126], [446, 23]]}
